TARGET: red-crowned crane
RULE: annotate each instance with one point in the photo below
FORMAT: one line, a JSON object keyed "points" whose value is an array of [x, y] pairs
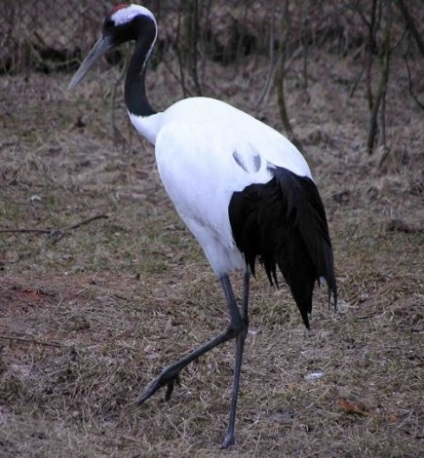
{"points": [[243, 190]]}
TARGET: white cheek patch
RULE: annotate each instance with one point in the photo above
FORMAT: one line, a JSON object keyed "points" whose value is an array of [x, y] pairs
{"points": [[127, 14]]}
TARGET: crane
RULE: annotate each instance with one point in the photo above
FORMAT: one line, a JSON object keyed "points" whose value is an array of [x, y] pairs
{"points": [[244, 191]]}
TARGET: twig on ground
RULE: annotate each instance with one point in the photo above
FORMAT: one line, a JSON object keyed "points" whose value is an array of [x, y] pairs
{"points": [[397, 225], [25, 230], [33, 341], [57, 234]]}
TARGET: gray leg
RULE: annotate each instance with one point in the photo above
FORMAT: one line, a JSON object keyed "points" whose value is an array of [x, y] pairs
{"points": [[169, 375], [240, 339], [245, 303]]}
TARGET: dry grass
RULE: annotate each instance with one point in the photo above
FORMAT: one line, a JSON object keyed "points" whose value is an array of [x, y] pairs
{"points": [[87, 321]]}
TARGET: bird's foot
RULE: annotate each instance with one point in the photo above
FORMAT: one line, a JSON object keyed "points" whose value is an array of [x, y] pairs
{"points": [[228, 441], [167, 377]]}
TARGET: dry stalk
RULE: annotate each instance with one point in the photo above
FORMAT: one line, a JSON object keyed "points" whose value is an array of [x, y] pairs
{"points": [[56, 234], [382, 86], [281, 73]]}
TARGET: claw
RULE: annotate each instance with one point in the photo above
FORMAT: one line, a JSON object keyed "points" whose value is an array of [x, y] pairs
{"points": [[171, 384], [163, 379]]}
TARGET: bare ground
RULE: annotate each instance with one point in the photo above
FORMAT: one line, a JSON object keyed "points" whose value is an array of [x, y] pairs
{"points": [[89, 319]]}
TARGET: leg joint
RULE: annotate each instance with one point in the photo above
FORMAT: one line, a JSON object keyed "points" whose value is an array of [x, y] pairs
{"points": [[238, 327]]}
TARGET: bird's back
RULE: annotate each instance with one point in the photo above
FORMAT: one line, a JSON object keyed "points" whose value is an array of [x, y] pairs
{"points": [[237, 129], [206, 150], [245, 192]]}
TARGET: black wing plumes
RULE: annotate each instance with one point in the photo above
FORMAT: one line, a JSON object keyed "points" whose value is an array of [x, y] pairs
{"points": [[283, 223]]}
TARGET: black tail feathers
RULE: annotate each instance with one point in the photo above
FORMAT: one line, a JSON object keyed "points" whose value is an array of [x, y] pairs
{"points": [[283, 223]]}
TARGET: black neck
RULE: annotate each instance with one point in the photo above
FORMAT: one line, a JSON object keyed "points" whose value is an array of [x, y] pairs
{"points": [[135, 89]]}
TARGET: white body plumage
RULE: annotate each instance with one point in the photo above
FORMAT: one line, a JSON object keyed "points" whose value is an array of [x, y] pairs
{"points": [[206, 150]]}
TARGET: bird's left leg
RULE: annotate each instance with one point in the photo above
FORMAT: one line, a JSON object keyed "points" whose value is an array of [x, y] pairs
{"points": [[240, 339], [169, 375]]}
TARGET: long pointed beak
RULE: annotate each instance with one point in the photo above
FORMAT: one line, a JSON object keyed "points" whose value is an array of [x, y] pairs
{"points": [[101, 46]]}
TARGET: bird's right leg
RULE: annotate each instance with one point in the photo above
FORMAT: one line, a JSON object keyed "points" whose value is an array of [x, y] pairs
{"points": [[245, 300], [169, 375], [240, 340]]}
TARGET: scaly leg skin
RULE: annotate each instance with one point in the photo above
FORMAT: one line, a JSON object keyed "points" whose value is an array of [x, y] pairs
{"points": [[167, 377], [230, 436], [170, 374], [230, 439], [245, 302]]}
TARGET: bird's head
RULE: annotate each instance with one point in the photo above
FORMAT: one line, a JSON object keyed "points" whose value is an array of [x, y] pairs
{"points": [[124, 23]]}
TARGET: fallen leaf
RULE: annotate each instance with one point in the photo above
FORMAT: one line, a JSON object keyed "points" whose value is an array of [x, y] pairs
{"points": [[360, 409], [350, 407]]}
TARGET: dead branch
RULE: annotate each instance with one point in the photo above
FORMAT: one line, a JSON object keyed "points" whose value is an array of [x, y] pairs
{"points": [[265, 91], [56, 234], [193, 38], [382, 86], [178, 52], [86, 221], [33, 341], [25, 231], [410, 24], [411, 85], [116, 134], [281, 73], [356, 81], [371, 45], [397, 225], [304, 41]]}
